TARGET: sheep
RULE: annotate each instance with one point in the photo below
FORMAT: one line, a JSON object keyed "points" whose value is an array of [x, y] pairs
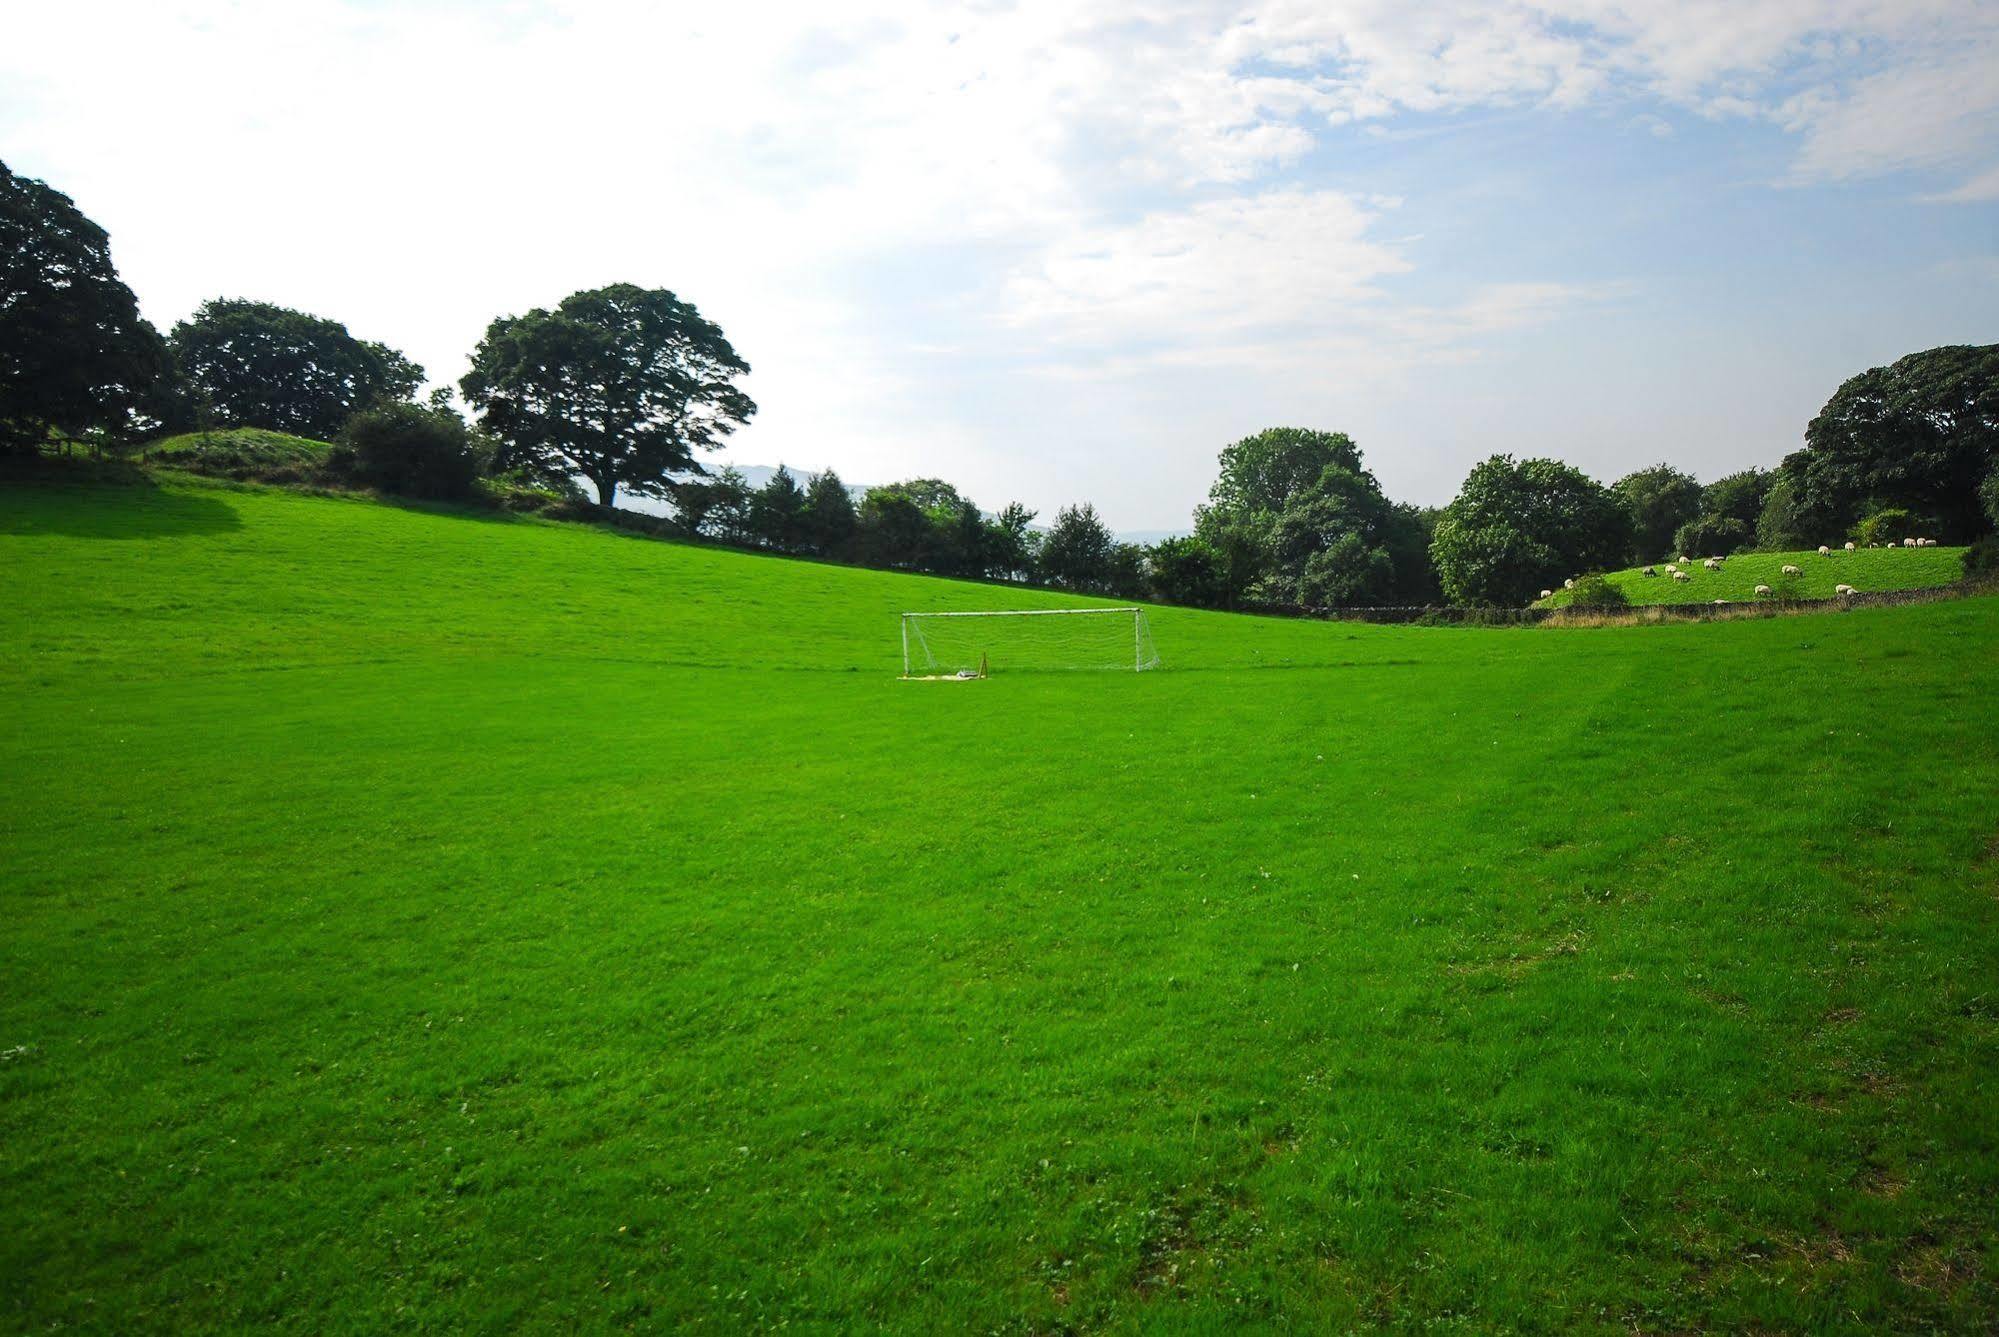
{"points": [[1681, 575], [1764, 589], [1672, 570], [1721, 603], [1908, 543], [1824, 551], [1712, 564], [1843, 590], [1649, 571], [1684, 559], [1568, 584], [1850, 546], [1547, 594], [1926, 543], [1790, 570]]}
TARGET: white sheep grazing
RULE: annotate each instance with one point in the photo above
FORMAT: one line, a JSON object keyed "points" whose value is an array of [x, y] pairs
{"points": [[1764, 589], [1568, 584], [1926, 543], [1650, 571], [1721, 603], [1824, 551], [1672, 570], [1908, 543], [1850, 547], [1790, 570], [1712, 564], [1684, 559], [1681, 575], [1844, 589], [1547, 594]]}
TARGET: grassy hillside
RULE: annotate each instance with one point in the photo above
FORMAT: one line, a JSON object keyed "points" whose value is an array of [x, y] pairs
{"points": [[1867, 569], [426, 921], [241, 452]]}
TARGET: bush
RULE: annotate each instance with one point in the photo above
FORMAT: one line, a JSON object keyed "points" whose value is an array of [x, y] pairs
{"points": [[1988, 496], [1890, 524], [412, 451], [1712, 536], [1981, 559], [1596, 591]]}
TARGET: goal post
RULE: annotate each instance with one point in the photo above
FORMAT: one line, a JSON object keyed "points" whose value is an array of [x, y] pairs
{"points": [[968, 645]]}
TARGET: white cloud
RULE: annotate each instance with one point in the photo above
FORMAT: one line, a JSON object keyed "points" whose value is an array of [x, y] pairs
{"points": [[849, 189]]}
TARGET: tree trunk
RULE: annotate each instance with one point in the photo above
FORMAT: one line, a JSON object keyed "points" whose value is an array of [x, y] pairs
{"points": [[607, 491]]}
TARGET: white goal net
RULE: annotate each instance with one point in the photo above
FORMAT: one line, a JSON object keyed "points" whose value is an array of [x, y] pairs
{"points": [[970, 645]]}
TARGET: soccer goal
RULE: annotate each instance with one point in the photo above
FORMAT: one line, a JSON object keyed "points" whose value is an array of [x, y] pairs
{"points": [[971, 645]]}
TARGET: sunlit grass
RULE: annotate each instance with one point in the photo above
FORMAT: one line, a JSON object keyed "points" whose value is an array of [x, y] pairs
{"points": [[420, 920]]}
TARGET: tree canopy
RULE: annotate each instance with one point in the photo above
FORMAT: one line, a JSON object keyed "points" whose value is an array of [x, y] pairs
{"points": [[622, 385], [1920, 433], [1517, 526], [1660, 500], [1077, 551], [75, 355], [258, 365]]}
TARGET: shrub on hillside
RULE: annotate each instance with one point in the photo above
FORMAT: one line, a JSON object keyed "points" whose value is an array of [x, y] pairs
{"points": [[1596, 591], [1981, 559], [1890, 524], [1712, 536], [1988, 496], [411, 450]]}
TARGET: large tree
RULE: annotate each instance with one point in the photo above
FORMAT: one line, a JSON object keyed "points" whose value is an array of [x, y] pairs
{"points": [[829, 516], [621, 385], [1078, 549], [259, 365], [1920, 434], [1327, 545], [1660, 499], [1519, 525], [75, 355], [1259, 477], [777, 512]]}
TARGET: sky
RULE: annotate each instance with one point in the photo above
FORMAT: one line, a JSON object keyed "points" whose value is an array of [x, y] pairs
{"points": [[1068, 251]]}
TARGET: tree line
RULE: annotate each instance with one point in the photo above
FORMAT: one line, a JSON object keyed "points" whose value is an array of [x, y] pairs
{"points": [[624, 387]]}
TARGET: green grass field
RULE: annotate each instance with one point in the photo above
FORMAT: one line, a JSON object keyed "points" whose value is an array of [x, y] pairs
{"points": [[424, 921], [1869, 570]]}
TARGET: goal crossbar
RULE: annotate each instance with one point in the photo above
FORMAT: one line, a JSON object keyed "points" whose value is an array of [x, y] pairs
{"points": [[968, 643]]}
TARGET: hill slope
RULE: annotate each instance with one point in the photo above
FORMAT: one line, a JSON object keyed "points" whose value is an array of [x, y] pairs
{"points": [[432, 921], [1869, 570]]}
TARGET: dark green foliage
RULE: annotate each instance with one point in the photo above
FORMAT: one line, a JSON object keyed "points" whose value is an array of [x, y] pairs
{"points": [[1780, 527], [894, 529], [1260, 475], [1659, 500], [1326, 545], [829, 519], [1076, 553], [777, 513], [1713, 536], [76, 358], [1517, 526], [1891, 524], [1186, 571], [1988, 497], [258, 365], [1739, 496], [1981, 559], [1012, 544], [411, 450], [1921, 434], [1125, 572], [622, 385], [1594, 591]]}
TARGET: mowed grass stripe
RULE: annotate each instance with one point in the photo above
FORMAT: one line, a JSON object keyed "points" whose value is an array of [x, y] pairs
{"points": [[485, 966]]}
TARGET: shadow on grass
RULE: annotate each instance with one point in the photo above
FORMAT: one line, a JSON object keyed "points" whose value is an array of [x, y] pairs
{"points": [[102, 499]]}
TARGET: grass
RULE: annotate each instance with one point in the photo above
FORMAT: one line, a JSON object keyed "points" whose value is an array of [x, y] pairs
{"points": [[417, 920], [242, 453], [1870, 570]]}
